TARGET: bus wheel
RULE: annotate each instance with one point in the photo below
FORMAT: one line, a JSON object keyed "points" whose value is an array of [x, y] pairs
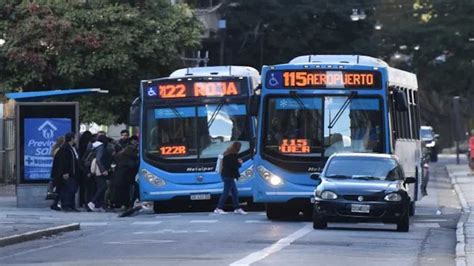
{"points": [[274, 211], [412, 208], [157, 208]]}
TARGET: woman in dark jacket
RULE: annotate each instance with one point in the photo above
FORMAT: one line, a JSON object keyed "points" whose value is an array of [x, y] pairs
{"points": [[230, 171]]}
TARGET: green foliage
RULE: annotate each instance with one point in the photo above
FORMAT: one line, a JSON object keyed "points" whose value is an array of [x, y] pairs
{"points": [[107, 44]]}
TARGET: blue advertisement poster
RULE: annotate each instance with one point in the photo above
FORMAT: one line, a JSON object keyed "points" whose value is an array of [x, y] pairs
{"points": [[40, 135]]}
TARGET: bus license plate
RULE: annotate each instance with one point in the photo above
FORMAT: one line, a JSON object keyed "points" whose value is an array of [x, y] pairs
{"points": [[359, 208], [201, 197]]}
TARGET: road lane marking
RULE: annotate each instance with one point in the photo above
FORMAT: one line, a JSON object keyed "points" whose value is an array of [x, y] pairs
{"points": [[167, 216], [139, 242], [257, 222], [170, 231], [280, 244], [431, 220], [203, 221], [147, 223], [426, 225], [93, 224]]}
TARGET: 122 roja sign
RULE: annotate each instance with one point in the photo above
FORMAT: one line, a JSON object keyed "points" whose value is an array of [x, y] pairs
{"points": [[198, 89], [294, 146], [173, 150]]}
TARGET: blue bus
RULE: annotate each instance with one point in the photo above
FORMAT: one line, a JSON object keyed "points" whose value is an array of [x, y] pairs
{"points": [[186, 121], [317, 105]]}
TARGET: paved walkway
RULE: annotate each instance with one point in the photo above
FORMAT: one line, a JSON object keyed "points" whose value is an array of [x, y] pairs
{"points": [[463, 182]]}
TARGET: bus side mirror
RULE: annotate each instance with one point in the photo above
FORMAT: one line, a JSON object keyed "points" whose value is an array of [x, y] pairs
{"points": [[134, 116], [254, 103], [316, 177], [401, 103]]}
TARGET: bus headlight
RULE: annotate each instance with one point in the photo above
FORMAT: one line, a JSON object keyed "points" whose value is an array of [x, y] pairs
{"points": [[246, 175], [153, 179], [268, 176]]}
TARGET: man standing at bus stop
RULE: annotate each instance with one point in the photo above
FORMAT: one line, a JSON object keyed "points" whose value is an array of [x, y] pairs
{"points": [[471, 150]]}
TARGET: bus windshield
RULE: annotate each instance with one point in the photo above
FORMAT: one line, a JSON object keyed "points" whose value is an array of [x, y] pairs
{"points": [[298, 127], [293, 126], [358, 129], [194, 132]]}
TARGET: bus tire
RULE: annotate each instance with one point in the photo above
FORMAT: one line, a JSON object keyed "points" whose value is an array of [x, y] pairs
{"points": [[412, 208], [274, 211], [156, 207], [319, 222]]}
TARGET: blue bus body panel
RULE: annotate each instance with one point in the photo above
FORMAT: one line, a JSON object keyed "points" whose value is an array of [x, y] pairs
{"points": [[174, 187], [298, 185]]}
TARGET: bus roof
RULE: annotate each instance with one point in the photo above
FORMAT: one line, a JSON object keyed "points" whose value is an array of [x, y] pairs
{"points": [[396, 77], [218, 71], [339, 60]]}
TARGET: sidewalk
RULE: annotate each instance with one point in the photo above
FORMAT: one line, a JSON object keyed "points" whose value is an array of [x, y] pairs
{"points": [[23, 224], [463, 182]]}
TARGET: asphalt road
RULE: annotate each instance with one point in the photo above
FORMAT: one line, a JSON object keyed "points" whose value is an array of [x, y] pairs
{"points": [[210, 239]]}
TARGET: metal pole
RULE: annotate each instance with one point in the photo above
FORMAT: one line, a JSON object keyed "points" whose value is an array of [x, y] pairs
{"points": [[457, 125]]}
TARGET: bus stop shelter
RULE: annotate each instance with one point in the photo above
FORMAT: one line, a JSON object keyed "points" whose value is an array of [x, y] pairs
{"points": [[27, 116]]}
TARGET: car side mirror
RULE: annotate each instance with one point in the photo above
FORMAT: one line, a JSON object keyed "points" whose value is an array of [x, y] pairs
{"points": [[436, 136], [410, 180], [315, 176]]}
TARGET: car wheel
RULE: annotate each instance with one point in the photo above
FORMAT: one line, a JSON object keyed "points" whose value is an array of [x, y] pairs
{"points": [[274, 211], [319, 222], [412, 208], [403, 224]]}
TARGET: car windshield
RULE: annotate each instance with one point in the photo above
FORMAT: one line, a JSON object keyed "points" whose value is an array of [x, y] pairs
{"points": [[193, 132], [364, 168], [426, 134]]}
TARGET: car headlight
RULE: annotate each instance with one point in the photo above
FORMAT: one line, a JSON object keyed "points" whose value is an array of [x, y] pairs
{"points": [[246, 175], [152, 179], [393, 197], [430, 144], [328, 195], [268, 176]]}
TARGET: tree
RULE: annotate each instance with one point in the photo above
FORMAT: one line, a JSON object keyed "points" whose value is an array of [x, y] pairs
{"points": [[95, 43]]}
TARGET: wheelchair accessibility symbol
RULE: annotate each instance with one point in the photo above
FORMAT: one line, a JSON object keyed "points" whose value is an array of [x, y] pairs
{"points": [[151, 92], [273, 81]]}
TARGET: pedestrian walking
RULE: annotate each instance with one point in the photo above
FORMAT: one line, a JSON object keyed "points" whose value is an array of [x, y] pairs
{"points": [[471, 150], [124, 176], [65, 171], [229, 173], [84, 141], [102, 170]]}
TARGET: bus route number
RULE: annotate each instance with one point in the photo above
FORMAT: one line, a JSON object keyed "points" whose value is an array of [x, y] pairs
{"points": [[294, 146], [173, 150], [172, 91]]}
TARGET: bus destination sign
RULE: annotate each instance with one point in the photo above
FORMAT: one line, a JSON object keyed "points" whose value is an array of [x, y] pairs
{"points": [[331, 79], [189, 89]]}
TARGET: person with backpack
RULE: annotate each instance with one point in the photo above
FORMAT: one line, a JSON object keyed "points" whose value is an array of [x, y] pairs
{"points": [[101, 170], [229, 173]]}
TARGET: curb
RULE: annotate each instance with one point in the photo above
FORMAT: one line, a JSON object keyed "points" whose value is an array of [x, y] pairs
{"points": [[15, 239], [460, 234]]}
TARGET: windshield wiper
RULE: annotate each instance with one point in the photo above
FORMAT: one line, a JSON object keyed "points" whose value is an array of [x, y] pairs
{"points": [[214, 114], [342, 109], [175, 111], [338, 176], [300, 102], [366, 177]]}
